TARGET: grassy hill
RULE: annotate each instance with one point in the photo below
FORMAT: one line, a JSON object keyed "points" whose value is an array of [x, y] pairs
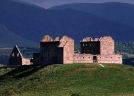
{"points": [[68, 80]]}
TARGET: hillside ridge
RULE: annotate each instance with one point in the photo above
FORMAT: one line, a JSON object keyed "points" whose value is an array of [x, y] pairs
{"points": [[9, 39], [115, 11], [30, 22]]}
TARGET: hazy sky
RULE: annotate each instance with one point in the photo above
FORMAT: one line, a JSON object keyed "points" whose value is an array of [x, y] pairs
{"points": [[50, 3]]}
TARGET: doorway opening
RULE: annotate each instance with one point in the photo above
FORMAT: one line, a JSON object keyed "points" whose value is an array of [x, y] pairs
{"points": [[94, 59]]}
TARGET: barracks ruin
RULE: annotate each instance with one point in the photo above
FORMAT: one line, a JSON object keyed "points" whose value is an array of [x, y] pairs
{"points": [[61, 51]]}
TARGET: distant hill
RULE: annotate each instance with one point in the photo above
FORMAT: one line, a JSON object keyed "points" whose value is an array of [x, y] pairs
{"points": [[32, 23], [68, 80], [118, 12], [9, 39]]}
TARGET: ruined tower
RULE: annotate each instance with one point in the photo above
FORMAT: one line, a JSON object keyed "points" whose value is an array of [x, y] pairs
{"points": [[106, 45], [57, 51], [101, 49]]}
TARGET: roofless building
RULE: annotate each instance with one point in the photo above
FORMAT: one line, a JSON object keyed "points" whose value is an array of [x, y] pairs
{"points": [[17, 59], [61, 51]]}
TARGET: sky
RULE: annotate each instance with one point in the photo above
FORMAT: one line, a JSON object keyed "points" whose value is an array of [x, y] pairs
{"points": [[51, 3]]}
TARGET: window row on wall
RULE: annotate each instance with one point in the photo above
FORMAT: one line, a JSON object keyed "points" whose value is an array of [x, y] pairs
{"points": [[90, 44], [109, 57], [95, 50], [83, 57]]}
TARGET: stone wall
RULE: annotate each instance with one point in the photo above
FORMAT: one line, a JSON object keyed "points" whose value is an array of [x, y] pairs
{"points": [[68, 49], [26, 61], [88, 58], [106, 45], [36, 58], [90, 46], [56, 51], [83, 58], [48, 52], [113, 58], [15, 61], [16, 58], [61, 51]]}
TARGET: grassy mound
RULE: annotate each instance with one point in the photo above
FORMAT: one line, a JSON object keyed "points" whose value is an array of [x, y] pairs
{"points": [[68, 80]]}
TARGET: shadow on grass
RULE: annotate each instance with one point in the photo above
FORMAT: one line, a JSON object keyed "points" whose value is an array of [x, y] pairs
{"points": [[22, 71]]}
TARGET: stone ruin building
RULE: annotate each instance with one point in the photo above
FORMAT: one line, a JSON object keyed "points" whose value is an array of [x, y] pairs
{"points": [[17, 59], [61, 51], [99, 50], [57, 51]]}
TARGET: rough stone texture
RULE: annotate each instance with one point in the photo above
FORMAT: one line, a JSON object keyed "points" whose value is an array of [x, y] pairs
{"points": [[106, 45], [46, 38], [113, 58], [26, 61], [87, 39], [92, 47], [68, 49], [83, 58], [56, 51], [89, 58], [16, 58], [57, 39], [48, 52], [59, 51], [102, 50]]}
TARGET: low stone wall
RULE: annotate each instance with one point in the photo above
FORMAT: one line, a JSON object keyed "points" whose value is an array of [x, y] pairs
{"points": [[114, 58], [83, 58], [88, 58], [26, 61]]}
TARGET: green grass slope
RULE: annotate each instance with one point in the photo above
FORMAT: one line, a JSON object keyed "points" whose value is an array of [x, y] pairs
{"points": [[68, 80]]}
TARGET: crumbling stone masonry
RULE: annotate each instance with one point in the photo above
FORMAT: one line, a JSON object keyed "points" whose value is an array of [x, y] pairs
{"points": [[17, 59], [61, 51], [55, 51], [100, 49]]}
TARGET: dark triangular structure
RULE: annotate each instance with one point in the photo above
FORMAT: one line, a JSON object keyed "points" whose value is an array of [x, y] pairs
{"points": [[16, 58]]}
